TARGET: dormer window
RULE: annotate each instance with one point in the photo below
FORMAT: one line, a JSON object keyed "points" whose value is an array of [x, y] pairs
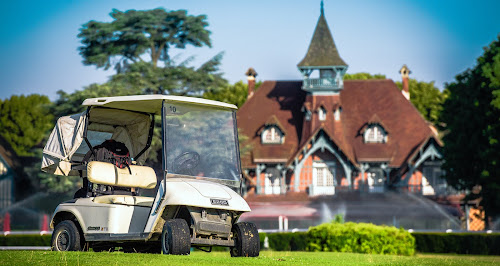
{"points": [[322, 114], [307, 113], [336, 114], [272, 135], [375, 134]]}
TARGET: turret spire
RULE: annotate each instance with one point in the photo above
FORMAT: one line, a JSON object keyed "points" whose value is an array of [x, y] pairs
{"points": [[323, 56]]}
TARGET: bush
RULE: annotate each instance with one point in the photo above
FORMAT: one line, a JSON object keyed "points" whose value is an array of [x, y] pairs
{"points": [[360, 238], [459, 243], [288, 241], [25, 240]]}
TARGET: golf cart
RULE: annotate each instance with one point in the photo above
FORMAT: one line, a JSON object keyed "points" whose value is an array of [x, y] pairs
{"points": [[193, 201]]}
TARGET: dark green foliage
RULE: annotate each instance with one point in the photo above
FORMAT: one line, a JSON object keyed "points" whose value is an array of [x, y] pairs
{"points": [[25, 240], [472, 143], [175, 79], [288, 241], [360, 238], [24, 121], [427, 98], [134, 33], [459, 243]]}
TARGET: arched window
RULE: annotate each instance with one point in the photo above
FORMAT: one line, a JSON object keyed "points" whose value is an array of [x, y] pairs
{"points": [[272, 135], [375, 134]]}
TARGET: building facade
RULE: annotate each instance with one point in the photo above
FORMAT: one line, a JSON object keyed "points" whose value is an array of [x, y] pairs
{"points": [[322, 135]]}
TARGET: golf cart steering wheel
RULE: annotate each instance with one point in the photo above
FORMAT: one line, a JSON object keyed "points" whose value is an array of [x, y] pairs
{"points": [[186, 162]]}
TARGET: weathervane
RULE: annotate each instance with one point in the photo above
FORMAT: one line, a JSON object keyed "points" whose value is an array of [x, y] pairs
{"points": [[322, 13]]}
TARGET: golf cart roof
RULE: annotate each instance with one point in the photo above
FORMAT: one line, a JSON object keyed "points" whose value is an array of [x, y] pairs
{"points": [[149, 103]]}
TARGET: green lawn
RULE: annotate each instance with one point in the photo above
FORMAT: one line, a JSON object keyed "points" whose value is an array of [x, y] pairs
{"points": [[223, 258]]}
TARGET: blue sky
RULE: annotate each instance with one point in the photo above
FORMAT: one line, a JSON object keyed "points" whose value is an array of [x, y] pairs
{"points": [[436, 39]]}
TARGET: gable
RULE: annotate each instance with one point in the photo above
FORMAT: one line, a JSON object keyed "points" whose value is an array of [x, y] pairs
{"points": [[279, 101]]}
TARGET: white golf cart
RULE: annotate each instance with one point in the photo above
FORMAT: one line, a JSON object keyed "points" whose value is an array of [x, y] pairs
{"points": [[197, 202]]}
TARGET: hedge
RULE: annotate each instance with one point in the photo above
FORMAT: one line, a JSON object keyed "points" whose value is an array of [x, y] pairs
{"points": [[288, 241], [360, 238], [459, 243], [25, 240]]}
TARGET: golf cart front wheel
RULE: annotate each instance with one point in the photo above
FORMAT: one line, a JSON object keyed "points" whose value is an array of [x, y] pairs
{"points": [[175, 237], [66, 237], [247, 241]]}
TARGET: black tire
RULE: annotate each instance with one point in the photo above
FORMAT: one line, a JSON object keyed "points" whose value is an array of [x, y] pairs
{"points": [[66, 237], [247, 240], [175, 237]]}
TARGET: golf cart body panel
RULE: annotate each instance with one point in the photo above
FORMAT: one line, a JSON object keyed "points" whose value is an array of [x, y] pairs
{"points": [[196, 190], [105, 218]]}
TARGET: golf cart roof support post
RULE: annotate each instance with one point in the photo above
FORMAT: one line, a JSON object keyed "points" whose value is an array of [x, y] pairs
{"points": [[164, 155], [150, 137], [87, 118], [238, 150], [164, 146]]}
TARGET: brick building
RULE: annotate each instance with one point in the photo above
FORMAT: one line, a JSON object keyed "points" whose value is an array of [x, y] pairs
{"points": [[321, 135]]}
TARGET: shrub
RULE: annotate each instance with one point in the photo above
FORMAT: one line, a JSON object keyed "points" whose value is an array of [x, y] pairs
{"points": [[25, 240], [360, 238], [288, 241], [459, 243]]}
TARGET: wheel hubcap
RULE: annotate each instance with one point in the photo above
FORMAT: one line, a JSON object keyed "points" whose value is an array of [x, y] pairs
{"points": [[63, 241]]}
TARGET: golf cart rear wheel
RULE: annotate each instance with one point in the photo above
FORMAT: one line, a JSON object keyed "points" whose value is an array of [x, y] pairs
{"points": [[175, 238], [66, 237], [247, 241]]}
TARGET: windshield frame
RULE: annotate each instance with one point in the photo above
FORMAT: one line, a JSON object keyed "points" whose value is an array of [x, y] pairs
{"points": [[236, 184]]}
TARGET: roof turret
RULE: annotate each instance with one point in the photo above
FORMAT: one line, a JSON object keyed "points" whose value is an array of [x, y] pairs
{"points": [[322, 50]]}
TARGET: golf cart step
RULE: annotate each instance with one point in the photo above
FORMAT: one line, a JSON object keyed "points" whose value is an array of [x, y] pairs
{"points": [[212, 242]]}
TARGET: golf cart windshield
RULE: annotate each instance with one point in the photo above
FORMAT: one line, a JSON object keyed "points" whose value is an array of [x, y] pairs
{"points": [[201, 143]]}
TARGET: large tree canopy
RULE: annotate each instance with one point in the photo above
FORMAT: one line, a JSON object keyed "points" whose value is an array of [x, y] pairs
{"points": [[472, 147], [427, 98], [133, 34], [235, 94], [24, 121]]}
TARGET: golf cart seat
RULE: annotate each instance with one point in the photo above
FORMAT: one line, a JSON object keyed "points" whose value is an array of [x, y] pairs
{"points": [[104, 173]]}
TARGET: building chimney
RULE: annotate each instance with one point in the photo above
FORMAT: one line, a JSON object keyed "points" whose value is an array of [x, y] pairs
{"points": [[251, 74], [405, 76]]}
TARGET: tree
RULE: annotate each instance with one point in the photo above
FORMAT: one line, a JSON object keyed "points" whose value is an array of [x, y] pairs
{"points": [[235, 94], [426, 98], [472, 148], [133, 34], [363, 76], [176, 79], [24, 121]]}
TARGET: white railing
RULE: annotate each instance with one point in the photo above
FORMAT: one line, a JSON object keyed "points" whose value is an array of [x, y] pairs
{"points": [[322, 83]]}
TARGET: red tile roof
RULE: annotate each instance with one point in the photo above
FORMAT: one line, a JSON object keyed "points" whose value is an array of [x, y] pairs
{"points": [[362, 102]]}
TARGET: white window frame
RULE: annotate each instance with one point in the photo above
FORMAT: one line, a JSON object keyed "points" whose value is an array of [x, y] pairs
{"points": [[336, 114], [322, 114], [375, 134], [275, 134], [324, 179], [271, 187]]}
